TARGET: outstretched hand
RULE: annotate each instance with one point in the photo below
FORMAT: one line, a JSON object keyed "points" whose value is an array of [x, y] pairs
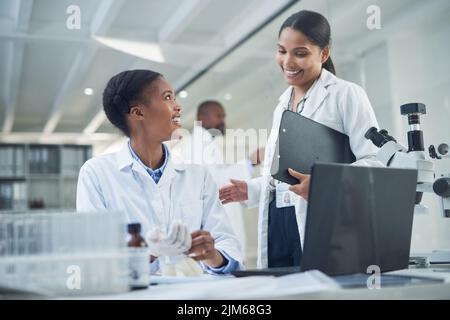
{"points": [[237, 191]]}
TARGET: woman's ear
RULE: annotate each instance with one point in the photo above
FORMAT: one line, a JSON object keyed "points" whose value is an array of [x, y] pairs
{"points": [[325, 54], [136, 113]]}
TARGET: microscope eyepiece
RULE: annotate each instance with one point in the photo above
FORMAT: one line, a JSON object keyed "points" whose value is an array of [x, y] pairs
{"points": [[385, 133], [376, 137]]}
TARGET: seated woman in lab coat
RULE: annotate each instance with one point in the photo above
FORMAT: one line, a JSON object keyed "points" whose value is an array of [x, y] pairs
{"points": [[145, 182]]}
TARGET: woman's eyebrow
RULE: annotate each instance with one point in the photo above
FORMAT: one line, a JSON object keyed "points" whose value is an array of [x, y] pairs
{"points": [[167, 91], [297, 48], [301, 48]]}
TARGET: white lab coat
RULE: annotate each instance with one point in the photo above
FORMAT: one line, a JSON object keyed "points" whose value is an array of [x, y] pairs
{"points": [[336, 103], [187, 192], [203, 149]]}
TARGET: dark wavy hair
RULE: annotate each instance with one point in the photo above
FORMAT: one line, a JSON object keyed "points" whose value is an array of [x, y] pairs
{"points": [[315, 27], [122, 91]]}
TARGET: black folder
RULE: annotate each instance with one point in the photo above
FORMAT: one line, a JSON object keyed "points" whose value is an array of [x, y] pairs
{"points": [[302, 142]]}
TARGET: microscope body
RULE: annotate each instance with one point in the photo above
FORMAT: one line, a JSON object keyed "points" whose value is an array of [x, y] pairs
{"points": [[442, 185], [393, 154], [442, 188]]}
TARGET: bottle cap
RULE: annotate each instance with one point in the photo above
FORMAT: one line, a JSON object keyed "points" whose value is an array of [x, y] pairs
{"points": [[134, 228]]}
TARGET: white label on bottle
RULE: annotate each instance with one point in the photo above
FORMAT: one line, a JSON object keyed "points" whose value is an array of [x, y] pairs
{"points": [[138, 263]]}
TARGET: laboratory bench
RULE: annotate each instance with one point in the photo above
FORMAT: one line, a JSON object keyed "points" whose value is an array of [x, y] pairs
{"points": [[203, 290], [423, 284]]}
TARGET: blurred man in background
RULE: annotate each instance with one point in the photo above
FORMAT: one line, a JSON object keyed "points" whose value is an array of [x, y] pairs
{"points": [[206, 146]]}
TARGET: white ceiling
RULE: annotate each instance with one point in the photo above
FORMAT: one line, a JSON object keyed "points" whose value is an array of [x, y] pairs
{"points": [[45, 67], [253, 79]]}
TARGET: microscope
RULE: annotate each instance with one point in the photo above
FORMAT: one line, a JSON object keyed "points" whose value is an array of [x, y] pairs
{"points": [[393, 154]]}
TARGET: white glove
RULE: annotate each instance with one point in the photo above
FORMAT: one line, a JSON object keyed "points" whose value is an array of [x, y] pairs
{"points": [[177, 242], [180, 266], [188, 267]]}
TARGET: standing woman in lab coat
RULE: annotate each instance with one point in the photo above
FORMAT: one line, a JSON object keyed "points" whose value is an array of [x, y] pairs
{"points": [[303, 54], [178, 204]]}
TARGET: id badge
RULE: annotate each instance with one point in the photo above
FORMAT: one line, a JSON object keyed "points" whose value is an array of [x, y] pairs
{"points": [[284, 197]]}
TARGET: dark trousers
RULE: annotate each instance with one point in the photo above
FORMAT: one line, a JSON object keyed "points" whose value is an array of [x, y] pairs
{"points": [[284, 246]]}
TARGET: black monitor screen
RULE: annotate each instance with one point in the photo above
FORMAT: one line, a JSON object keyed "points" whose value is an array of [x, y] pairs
{"points": [[358, 217]]}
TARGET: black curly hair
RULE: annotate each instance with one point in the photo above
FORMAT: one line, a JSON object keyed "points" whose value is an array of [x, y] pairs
{"points": [[121, 91]]}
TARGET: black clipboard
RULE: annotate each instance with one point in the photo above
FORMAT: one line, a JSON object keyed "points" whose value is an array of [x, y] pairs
{"points": [[303, 142]]}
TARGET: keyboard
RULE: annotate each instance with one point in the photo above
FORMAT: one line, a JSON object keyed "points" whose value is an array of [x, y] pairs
{"points": [[277, 272]]}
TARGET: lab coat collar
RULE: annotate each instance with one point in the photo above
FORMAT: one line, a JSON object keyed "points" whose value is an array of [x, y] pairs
{"points": [[124, 157], [125, 160], [284, 98], [317, 94], [176, 163], [326, 78], [173, 166]]}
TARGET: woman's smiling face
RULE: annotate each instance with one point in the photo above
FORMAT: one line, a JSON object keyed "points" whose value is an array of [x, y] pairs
{"points": [[299, 58], [160, 112]]}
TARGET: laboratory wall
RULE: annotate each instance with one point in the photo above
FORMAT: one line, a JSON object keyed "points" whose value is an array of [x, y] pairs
{"points": [[411, 64], [420, 72]]}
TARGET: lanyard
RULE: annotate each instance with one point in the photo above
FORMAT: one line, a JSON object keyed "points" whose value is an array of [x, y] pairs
{"points": [[302, 102]]}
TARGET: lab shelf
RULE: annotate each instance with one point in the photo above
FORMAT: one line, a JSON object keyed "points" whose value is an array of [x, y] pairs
{"points": [[40, 176]]}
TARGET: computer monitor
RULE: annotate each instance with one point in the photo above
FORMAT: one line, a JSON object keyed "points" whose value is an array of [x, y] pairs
{"points": [[358, 217]]}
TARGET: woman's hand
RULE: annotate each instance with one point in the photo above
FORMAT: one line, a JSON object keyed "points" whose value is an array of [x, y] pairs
{"points": [[203, 249], [302, 189], [237, 191]]}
